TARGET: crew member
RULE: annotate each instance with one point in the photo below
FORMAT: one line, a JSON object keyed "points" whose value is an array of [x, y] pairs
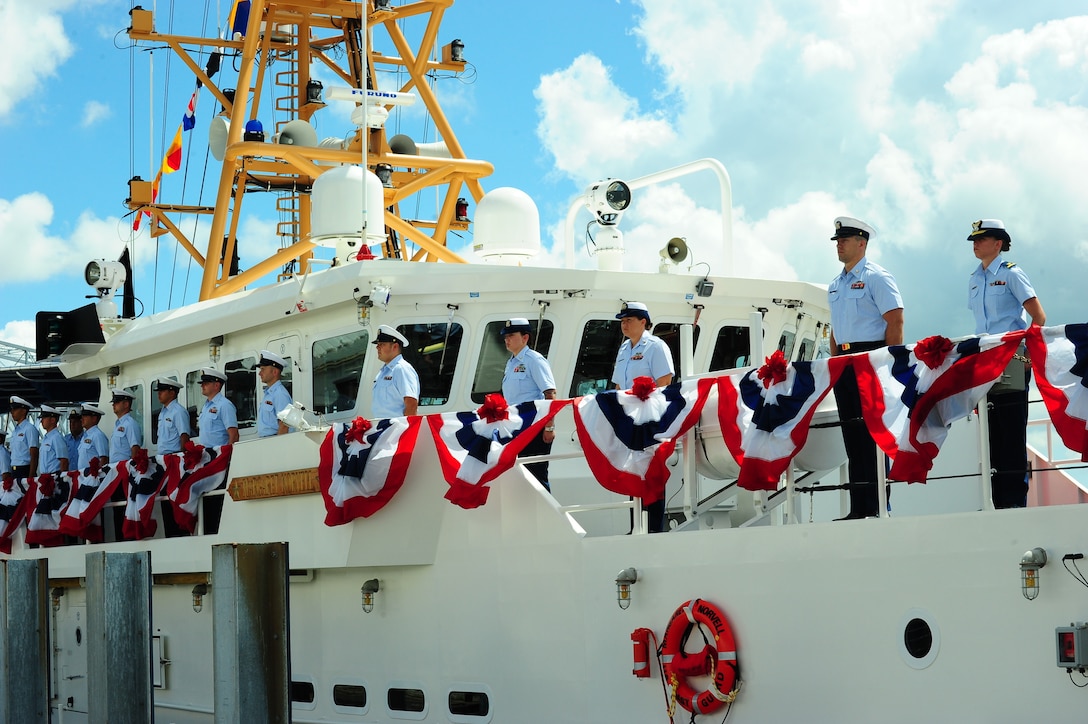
{"points": [[396, 388], [94, 443], [866, 314], [24, 440], [74, 436], [5, 456], [127, 436], [276, 396], [218, 420], [528, 376], [642, 355], [173, 428], [54, 450], [999, 294]]}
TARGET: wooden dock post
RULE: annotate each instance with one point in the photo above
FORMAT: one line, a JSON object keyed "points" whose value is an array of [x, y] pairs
{"points": [[24, 641], [119, 637], [252, 633]]}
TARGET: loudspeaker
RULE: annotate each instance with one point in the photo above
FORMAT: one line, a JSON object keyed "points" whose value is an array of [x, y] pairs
{"points": [[217, 136], [297, 133], [675, 251], [403, 144]]}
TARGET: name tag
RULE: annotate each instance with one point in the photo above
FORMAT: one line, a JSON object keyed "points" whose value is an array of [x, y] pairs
{"points": [[857, 285], [636, 356]]}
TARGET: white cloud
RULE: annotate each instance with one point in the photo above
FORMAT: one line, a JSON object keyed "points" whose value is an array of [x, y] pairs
{"points": [[33, 44], [821, 54], [24, 224], [93, 112], [20, 332], [588, 123]]}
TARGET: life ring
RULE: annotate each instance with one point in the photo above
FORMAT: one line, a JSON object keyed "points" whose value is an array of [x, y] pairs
{"points": [[719, 659]]}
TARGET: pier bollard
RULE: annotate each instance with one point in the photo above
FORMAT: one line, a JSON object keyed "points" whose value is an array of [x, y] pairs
{"points": [[24, 641], [252, 633], [119, 637]]}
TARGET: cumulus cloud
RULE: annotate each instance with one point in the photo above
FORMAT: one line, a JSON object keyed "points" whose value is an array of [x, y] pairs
{"points": [[93, 112], [20, 332], [33, 44]]}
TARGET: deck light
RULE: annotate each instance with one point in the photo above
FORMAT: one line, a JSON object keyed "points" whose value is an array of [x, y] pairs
{"points": [[607, 200], [111, 376], [200, 590], [369, 589], [214, 346], [1030, 564], [624, 580], [55, 595]]}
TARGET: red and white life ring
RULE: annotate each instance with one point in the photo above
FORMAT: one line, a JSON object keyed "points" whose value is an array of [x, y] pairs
{"points": [[719, 660]]}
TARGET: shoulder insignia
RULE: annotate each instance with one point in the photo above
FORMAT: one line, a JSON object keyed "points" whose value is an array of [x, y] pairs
{"points": [[1008, 264]]}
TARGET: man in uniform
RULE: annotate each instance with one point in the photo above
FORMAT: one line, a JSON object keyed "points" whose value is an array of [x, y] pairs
{"points": [[276, 396], [999, 293], [74, 436], [94, 443], [24, 440], [173, 429], [866, 314], [218, 419], [528, 377], [396, 388], [127, 436], [54, 450], [5, 456]]}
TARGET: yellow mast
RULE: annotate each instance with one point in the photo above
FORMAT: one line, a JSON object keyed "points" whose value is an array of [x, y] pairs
{"points": [[326, 33]]}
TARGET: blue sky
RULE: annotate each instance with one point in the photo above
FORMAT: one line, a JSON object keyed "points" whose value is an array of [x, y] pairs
{"points": [[918, 117]]}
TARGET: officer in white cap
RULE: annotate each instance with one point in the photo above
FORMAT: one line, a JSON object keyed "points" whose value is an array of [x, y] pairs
{"points": [[528, 376], [94, 443], [866, 314], [173, 430], [24, 440], [54, 451], [276, 397], [396, 388], [641, 354], [127, 436], [999, 294], [218, 420], [5, 456], [73, 437]]}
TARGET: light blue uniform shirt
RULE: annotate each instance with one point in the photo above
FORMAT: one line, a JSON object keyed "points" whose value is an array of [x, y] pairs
{"points": [[996, 296], [22, 438], [5, 460], [173, 423], [394, 382], [276, 397], [52, 450], [527, 376], [73, 449], [859, 300], [649, 358], [94, 445], [217, 415], [125, 434]]}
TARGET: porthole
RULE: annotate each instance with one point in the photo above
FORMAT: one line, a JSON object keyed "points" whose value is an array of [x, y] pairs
{"points": [[919, 638]]}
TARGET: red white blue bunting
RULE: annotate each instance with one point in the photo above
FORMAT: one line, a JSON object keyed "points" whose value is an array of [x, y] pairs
{"points": [[49, 495], [146, 479], [1059, 358], [192, 473], [93, 488], [911, 394], [765, 414], [628, 435], [476, 447], [362, 466], [12, 510]]}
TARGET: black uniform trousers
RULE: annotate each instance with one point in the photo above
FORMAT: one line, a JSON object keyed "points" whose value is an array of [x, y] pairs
{"points": [[859, 443], [1008, 422]]}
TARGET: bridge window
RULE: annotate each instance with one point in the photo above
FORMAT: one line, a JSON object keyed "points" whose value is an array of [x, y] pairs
{"points": [[433, 350], [338, 366], [732, 349], [669, 332], [596, 359], [405, 699], [469, 704], [493, 356]]}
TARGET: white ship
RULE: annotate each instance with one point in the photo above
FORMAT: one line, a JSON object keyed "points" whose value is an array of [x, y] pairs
{"points": [[535, 606]]}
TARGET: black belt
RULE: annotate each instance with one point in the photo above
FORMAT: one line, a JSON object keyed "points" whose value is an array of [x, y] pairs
{"points": [[861, 346]]}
